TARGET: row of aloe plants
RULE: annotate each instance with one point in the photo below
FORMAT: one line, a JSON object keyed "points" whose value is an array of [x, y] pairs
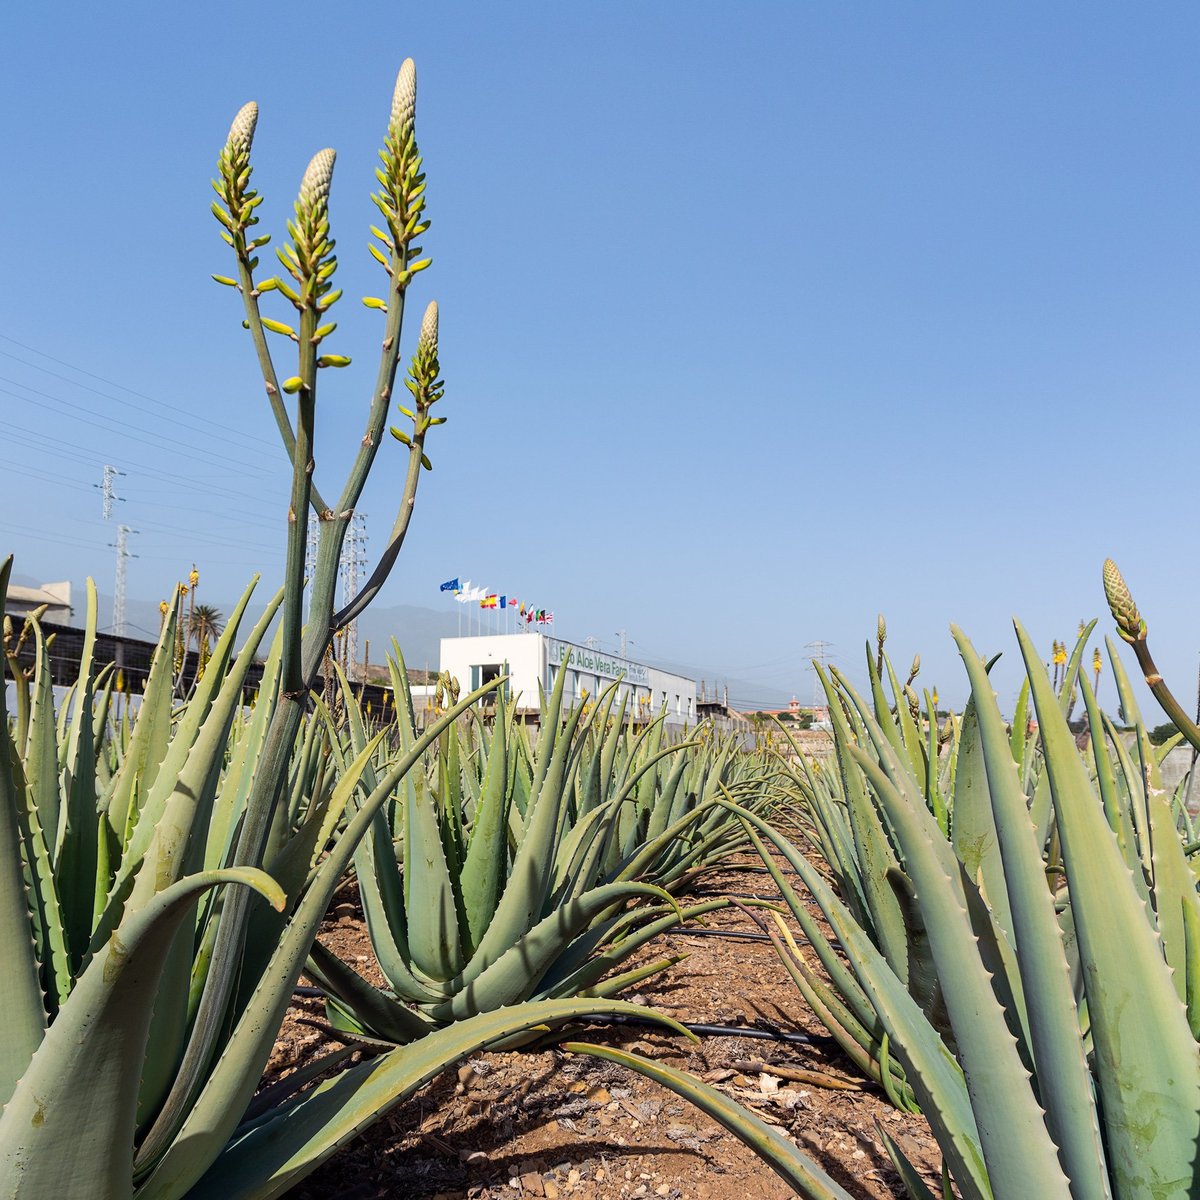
{"points": [[1017, 925]]}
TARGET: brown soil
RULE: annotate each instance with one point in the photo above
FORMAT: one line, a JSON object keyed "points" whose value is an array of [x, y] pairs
{"points": [[551, 1124]]}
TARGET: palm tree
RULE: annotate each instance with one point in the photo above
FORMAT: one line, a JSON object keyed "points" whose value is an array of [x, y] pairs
{"points": [[205, 624]]}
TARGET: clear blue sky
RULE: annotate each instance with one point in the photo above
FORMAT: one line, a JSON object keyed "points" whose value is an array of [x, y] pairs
{"points": [[754, 323]]}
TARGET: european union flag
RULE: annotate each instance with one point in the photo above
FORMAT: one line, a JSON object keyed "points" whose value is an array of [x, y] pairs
{"points": [[451, 585]]}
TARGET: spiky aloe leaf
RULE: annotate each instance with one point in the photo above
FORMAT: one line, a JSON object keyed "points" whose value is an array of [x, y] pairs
{"points": [[515, 974], [487, 850], [20, 989], [187, 1148], [793, 1166], [269, 1156], [377, 1011], [429, 903], [151, 732], [936, 1079], [68, 1129], [1148, 1076], [77, 841], [41, 747], [1064, 1082]]}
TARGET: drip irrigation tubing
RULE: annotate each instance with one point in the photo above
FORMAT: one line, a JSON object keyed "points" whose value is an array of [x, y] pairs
{"points": [[703, 1029], [737, 935], [700, 1028]]}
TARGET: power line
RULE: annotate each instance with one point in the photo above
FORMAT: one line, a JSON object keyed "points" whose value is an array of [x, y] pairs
{"points": [[126, 429], [170, 409]]}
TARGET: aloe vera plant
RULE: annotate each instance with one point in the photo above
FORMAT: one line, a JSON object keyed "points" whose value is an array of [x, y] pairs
{"points": [[1067, 1064], [502, 874]]}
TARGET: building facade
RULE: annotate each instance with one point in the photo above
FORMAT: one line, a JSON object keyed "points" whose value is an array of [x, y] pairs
{"points": [[533, 659]]}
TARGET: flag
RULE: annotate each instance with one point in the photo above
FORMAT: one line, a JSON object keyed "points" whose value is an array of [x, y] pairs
{"points": [[549, 618], [489, 601], [503, 601], [451, 585]]}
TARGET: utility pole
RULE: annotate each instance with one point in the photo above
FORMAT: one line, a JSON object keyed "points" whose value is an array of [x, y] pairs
{"points": [[354, 559], [820, 658], [123, 555], [623, 635]]}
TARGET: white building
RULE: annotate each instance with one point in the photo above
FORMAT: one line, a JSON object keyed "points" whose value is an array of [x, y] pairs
{"points": [[532, 658], [55, 597]]}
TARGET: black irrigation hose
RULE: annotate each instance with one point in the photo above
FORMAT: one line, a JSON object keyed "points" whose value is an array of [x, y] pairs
{"points": [[701, 1029], [704, 894], [740, 935]]}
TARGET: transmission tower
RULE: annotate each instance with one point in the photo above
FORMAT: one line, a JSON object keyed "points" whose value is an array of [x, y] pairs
{"points": [[354, 559], [820, 657], [310, 564], [108, 490], [123, 555]]}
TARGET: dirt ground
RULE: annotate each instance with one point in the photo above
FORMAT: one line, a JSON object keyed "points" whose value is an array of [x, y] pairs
{"points": [[551, 1124]]}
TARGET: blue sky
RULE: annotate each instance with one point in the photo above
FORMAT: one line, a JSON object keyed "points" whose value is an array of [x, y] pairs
{"points": [[754, 324]]}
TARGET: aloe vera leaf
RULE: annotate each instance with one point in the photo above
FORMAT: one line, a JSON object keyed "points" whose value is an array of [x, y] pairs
{"points": [[1063, 1078], [429, 904], [1174, 889], [614, 985], [279, 1149], [178, 753], [1116, 812], [914, 1185], [151, 731], [77, 844], [788, 1162], [974, 838], [381, 890], [68, 1128], [514, 975], [1066, 690], [606, 945], [936, 1079], [239, 777], [20, 990], [532, 871], [487, 848], [1147, 1072], [380, 1014], [1134, 808], [50, 947], [1017, 1148], [883, 710], [890, 776], [880, 911], [1020, 725], [187, 1146], [860, 1045], [908, 727], [173, 845], [41, 746]]}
